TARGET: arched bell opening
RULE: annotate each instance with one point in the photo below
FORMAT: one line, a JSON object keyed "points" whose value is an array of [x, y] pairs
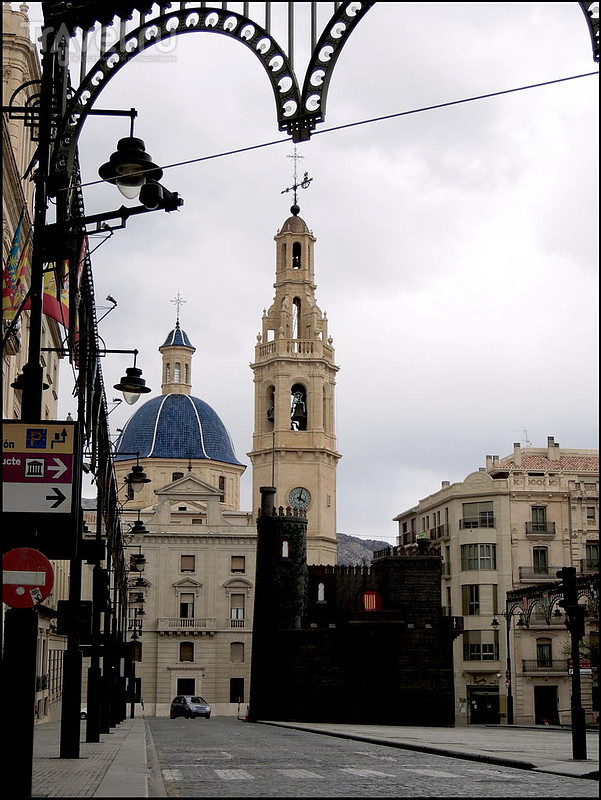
{"points": [[298, 408], [296, 316], [270, 403], [296, 255]]}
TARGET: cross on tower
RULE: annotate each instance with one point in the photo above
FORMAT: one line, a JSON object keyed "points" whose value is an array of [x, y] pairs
{"points": [[178, 302], [304, 184]]}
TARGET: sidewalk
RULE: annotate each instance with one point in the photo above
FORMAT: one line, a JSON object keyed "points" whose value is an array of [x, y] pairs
{"points": [[124, 762], [541, 748], [117, 766]]}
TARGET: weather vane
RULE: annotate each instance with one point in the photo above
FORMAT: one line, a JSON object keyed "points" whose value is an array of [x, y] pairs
{"points": [[178, 301], [304, 184]]}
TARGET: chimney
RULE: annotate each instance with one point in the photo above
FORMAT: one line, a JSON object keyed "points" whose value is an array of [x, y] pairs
{"points": [[445, 484], [552, 449], [495, 461], [488, 462], [517, 454]]}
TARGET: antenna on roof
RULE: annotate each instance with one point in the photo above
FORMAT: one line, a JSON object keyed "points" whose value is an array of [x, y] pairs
{"points": [[525, 440]]}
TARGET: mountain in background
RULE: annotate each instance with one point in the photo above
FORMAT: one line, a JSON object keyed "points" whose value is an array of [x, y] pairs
{"points": [[353, 551]]}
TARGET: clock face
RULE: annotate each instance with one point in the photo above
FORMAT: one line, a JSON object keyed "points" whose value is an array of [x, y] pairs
{"points": [[299, 497]]}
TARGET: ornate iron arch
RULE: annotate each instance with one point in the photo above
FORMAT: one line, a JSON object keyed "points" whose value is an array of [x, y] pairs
{"points": [[297, 112]]}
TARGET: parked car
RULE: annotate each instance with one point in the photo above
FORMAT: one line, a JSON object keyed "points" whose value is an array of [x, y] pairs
{"points": [[189, 706], [83, 714]]}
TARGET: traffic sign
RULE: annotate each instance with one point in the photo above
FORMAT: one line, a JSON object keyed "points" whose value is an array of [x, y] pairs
{"points": [[37, 467], [41, 476], [28, 577]]}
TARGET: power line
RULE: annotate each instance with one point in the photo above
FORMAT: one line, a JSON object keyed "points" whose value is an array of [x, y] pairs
{"points": [[369, 121]]}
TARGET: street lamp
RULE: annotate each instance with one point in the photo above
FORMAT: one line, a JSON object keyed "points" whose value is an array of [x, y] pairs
{"points": [[508, 615]]}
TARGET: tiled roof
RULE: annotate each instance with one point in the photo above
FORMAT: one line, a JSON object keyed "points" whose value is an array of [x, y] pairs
{"points": [[565, 463], [176, 426], [177, 338]]}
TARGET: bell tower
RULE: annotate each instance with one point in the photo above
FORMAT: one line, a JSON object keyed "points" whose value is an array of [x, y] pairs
{"points": [[294, 440]]}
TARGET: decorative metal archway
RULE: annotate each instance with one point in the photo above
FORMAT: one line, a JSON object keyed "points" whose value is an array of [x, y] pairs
{"points": [[543, 600]]}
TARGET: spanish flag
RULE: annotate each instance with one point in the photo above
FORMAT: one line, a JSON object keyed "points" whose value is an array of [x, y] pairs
{"points": [[55, 299], [14, 273]]}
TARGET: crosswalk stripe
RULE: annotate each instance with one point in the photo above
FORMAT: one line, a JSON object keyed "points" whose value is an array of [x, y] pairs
{"points": [[172, 775], [234, 775], [368, 773], [432, 773], [299, 773]]}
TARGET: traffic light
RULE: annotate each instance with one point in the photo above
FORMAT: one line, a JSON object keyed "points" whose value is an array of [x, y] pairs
{"points": [[154, 196], [574, 613]]}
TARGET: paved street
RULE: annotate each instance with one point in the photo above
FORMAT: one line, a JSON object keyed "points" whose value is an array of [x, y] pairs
{"points": [[224, 757]]}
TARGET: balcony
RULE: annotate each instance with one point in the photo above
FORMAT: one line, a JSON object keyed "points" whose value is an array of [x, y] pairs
{"points": [[186, 624], [589, 565], [237, 623], [440, 532], [545, 666], [542, 573], [540, 528]]}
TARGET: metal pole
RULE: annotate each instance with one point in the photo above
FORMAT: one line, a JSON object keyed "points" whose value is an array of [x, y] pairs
{"points": [[578, 717], [510, 719]]}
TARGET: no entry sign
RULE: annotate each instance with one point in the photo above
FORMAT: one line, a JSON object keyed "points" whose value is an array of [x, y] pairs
{"points": [[28, 577]]}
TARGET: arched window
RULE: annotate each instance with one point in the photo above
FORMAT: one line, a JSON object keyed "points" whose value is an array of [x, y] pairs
{"points": [[186, 373], [296, 255], [285, 549], [321, 593], [222, 488], [284, 255], [296, 316], [177, 372], [298, 408], [237, 652], [167, 373], [186, 651], [270, 407]]}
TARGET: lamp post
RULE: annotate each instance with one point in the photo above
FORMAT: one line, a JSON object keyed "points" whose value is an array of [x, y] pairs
{"points": [[508, 615]]}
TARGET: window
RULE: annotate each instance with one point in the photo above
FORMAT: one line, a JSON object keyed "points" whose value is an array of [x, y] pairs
{"points": [[591, 514], [478, 556], [186, 605], [186, 373], [543, 653], [479, 600], [237, 652], [285, 549], [480, 646], [177, 372], [237, 610], [222, 488], [167, 373], [539, 518], [238, 564], [470, 600], [592, 556], [236, 690], [175, 476], [478, 515], [137, 651], [321, 593], [187, 564], [540, 560], [186, 651]]}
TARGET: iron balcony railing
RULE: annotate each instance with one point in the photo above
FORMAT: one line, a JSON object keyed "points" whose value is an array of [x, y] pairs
{"points": [[545, 665], [547, 528], [589, 565]]}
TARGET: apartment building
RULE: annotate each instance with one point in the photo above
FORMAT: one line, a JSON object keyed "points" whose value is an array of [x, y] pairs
{"points": [[512, 524]]}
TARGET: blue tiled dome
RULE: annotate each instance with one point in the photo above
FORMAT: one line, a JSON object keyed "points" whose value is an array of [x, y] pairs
{"points": [[176, 426], [178, 338]]}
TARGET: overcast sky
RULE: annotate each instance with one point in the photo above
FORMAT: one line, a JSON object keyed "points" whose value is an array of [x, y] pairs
{"points": [[456, 250]]}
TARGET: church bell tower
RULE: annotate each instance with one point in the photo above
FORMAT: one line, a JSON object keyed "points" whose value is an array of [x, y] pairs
{"points": [[294, 440]]}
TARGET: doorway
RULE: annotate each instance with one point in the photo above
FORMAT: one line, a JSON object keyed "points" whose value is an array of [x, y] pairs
{"points": [[483, 705], [545, 705], [186, 686]]}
